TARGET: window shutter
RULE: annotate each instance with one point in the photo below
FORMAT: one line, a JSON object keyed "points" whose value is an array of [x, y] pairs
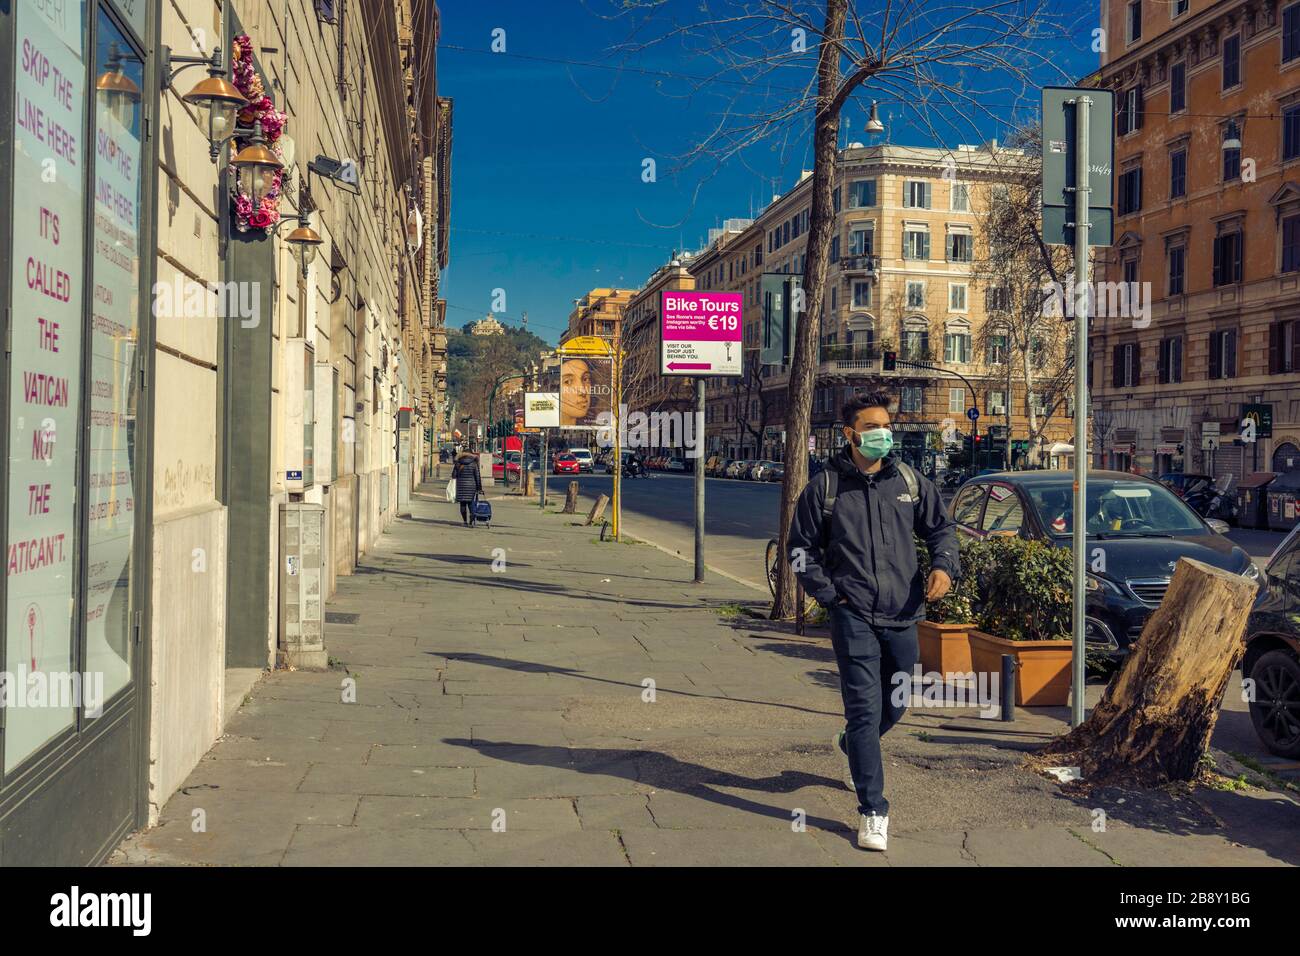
{"points": [[1275, 348], [1230, 358], [1140, 110], [1295, 346], [907, 195], [1178, 359], [1121, 115], [1215, 345], [925, 244], [1218, 263], [1119, 367], [925, 344], [1162, 361], [1238, 247], [928, 187], [1137, 364], [1137, 188]]}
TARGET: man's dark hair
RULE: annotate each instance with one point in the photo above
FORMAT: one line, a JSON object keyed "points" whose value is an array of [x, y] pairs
{"points": [[861, 400]]}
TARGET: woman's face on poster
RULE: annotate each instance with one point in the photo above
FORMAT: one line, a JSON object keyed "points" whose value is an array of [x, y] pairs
{"points": [[575, 391]]}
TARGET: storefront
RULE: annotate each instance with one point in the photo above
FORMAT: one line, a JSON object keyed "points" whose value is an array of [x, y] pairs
{"points": [[78, 201]]}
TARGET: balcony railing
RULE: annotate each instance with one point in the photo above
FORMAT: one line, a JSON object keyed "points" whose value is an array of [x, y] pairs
{"points": [[863, 264], [848, 358]]}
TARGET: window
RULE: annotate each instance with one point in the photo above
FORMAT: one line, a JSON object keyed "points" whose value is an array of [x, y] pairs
{"points": [[835, 199], [957, 297], [916, 345], [1178, 87], [997, 299], [834, 298], [1231, 61], [916, 194], [1290, 32], [996, 403], [916, 243], [968, 505], [1227, 258], [996, 352], [1223, 353], [1178, 173], [1284, 347], [1130, 267], [1127, 365], [916, 295], [785, 233], [861, 295], [1003, 514], [911, 399], [1133, 21], [1130, 191], [960, 247], [860, 241], [1131, 110], [862, 193], [1177, 268], [1178, 9], [758, 254], [956, 348], [1231, 155], [1291, 243], [960, 197], [956, 400], [1291, 132], [1169, 363]]}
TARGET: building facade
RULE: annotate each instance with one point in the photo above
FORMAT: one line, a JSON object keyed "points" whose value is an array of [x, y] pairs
{"points": [[208, 423], [1207, 204]]}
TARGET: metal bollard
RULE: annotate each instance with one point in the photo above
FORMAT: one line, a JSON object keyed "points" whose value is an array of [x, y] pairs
{"points": [[1008, 687]]}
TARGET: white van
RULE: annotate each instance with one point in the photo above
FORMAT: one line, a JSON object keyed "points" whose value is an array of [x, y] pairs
{"points": [[585, 461]]}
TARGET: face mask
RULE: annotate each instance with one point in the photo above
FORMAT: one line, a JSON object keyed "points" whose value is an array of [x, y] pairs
{"points": [[876, 443]]}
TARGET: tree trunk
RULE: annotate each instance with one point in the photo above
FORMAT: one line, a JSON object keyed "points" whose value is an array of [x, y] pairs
{"points": [[1154, 722], [821, 223], [598, 509], [571, 499]]}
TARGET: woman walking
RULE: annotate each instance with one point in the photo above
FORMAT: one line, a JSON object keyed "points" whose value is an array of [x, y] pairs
{"points": [[469, 485]]}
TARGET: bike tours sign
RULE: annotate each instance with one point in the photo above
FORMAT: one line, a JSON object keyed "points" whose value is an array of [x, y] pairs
{"points": [[702, 333]]}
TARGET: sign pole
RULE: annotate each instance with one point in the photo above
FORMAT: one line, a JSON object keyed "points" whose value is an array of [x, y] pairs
{"points": [[545, 441], [1082, 173], [699, 485], [618, 448]]}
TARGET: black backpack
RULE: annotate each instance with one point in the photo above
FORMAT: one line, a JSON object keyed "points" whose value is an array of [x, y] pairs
{"points": [[831, 483]]}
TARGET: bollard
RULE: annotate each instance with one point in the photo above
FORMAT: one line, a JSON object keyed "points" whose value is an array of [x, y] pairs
{"points": [[1008, 687]]}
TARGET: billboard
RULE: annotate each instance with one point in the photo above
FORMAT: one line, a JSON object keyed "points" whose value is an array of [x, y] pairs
{"points": [[701, 333], [541, 409], [586, 391], [1060, 139]]}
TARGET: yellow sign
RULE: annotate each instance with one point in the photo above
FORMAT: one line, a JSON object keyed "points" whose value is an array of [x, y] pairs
{"points": [[585, 345]]}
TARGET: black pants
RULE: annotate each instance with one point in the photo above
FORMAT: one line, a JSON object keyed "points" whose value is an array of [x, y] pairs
{"points": [[869, 657], [467, 512]]}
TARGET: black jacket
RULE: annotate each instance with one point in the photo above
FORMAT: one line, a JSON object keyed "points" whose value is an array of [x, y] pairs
{"points": [[870, 559], [469, 483]]}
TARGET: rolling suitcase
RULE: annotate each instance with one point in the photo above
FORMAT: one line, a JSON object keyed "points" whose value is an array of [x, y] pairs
{"points": [[482, 511]]}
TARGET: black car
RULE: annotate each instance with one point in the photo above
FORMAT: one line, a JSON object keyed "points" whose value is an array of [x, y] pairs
{"points": [[1272, 657], [1137, 531]]}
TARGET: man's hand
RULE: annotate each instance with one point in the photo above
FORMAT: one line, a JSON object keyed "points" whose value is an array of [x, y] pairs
{"points": [[937, 586]]}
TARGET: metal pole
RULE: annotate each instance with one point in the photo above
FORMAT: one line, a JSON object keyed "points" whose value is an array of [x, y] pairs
{"points": [[699, 486], [545, 441], [617, 362], [1082, 107]]}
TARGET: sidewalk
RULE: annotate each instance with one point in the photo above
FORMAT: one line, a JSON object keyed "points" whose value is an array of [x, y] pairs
{"points": [[504, 717]]}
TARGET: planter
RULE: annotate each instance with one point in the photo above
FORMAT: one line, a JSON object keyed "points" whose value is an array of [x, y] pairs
{"points": [[945, 648], [1042, 667]]}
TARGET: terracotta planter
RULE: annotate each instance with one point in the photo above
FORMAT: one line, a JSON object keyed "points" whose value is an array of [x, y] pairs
{"points": [[945, 648], [1042, 671]]}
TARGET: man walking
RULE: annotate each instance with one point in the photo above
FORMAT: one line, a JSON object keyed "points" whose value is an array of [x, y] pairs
{"points": [[851, 546]]}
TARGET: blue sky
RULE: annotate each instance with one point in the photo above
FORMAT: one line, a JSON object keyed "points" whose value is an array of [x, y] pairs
{"points": [[547, 196]]}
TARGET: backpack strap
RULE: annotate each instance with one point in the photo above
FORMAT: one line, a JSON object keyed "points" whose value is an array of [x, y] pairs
{"points": [[830, 488], [913, 483]]}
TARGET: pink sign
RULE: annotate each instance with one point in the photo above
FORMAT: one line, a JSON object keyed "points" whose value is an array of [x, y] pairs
{"points": [[701, 332]]}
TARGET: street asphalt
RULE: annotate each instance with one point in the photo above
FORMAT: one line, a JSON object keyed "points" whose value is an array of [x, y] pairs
{"points": [[524, 694]]}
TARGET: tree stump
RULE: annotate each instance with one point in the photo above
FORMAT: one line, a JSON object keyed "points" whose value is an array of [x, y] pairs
{"points": [[1154, 721], [571, 499], [598, 509]]}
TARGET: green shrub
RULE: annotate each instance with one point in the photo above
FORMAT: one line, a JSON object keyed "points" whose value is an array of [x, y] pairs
{"points": [[1023, 589], [958, 605]]}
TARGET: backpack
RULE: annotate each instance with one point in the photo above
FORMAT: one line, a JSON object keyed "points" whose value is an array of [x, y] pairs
{"points": [[831, 482]]}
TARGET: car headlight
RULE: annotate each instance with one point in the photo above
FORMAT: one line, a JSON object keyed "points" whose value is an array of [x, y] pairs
{"points": [[1252, 572], [1094, 583]]}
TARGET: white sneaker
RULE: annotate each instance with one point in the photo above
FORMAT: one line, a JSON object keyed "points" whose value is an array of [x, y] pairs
{"points": [[836, 743], [873, 832]]}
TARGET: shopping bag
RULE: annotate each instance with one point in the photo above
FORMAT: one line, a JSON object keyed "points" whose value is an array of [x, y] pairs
{"points": [[451, 490]]}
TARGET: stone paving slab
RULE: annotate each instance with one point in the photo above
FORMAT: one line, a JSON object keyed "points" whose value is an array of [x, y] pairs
{"points": [[523, 696]]}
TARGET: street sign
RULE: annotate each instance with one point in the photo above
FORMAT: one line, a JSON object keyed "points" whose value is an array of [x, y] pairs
{"points": [[1262, 415], [1209, 428], [1059, 143], [541, 410], [1209, 442], [973, 414], [781, 292], [702, 333]]}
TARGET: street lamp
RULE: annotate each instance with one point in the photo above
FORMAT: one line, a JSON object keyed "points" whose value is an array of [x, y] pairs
{"points": [[873, 121], [255, 166], [216, 98], [304, 241]]}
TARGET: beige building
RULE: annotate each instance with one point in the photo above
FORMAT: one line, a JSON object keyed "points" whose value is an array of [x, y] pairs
{"points": [[644, 389], [598, 313]]}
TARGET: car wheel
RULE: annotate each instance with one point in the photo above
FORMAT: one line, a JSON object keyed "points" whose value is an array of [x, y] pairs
{"points": [[1275, 711]]}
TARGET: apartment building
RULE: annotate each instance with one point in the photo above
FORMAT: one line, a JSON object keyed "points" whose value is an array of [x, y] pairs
{"points": [[254, 318], [903, 277], [1207, 203], [598, 313], [644, 389]]}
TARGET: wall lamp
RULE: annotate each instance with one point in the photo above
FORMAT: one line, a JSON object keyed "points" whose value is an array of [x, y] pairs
{"points": [[118, 93], [216, 98]]}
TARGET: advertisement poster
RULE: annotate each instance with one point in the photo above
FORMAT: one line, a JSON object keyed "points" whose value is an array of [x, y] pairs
{"points": [[45, 379], [115, 326], [541, 409], [586, 391], [702, 333]]}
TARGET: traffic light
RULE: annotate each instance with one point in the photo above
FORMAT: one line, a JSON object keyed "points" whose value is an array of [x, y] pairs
{"points": [[890, 361]]}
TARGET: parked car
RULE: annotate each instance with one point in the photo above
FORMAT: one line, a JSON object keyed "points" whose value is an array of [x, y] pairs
{"points": [[510, 465], [1140, 527], [760, 469], [738, 466], [1179, 481], [775, 473], [1272, 658], [566, 464], [676, 464], [713, 464], [584, 458]]}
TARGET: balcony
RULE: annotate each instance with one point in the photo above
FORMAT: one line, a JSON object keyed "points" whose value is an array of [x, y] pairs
{"points": [[859, 265], [848, 360]]}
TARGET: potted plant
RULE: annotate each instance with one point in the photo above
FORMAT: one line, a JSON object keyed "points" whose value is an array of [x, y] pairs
{"points": [[1024, 610], [942, 636]]}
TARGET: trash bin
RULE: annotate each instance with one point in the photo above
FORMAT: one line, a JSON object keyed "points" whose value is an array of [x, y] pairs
{"points": [[1282, 497], [1252, 500]]}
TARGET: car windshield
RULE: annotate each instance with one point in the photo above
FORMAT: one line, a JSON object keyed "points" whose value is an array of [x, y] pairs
{"points": [[1116, 508]]}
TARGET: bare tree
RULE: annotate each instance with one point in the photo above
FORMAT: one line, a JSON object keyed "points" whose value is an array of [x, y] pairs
{"points": [[745, 391], [962, 63]]}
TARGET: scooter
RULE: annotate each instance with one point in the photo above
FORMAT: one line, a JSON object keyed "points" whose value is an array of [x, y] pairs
{"points": [[1209, 502], [631, 469]]}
